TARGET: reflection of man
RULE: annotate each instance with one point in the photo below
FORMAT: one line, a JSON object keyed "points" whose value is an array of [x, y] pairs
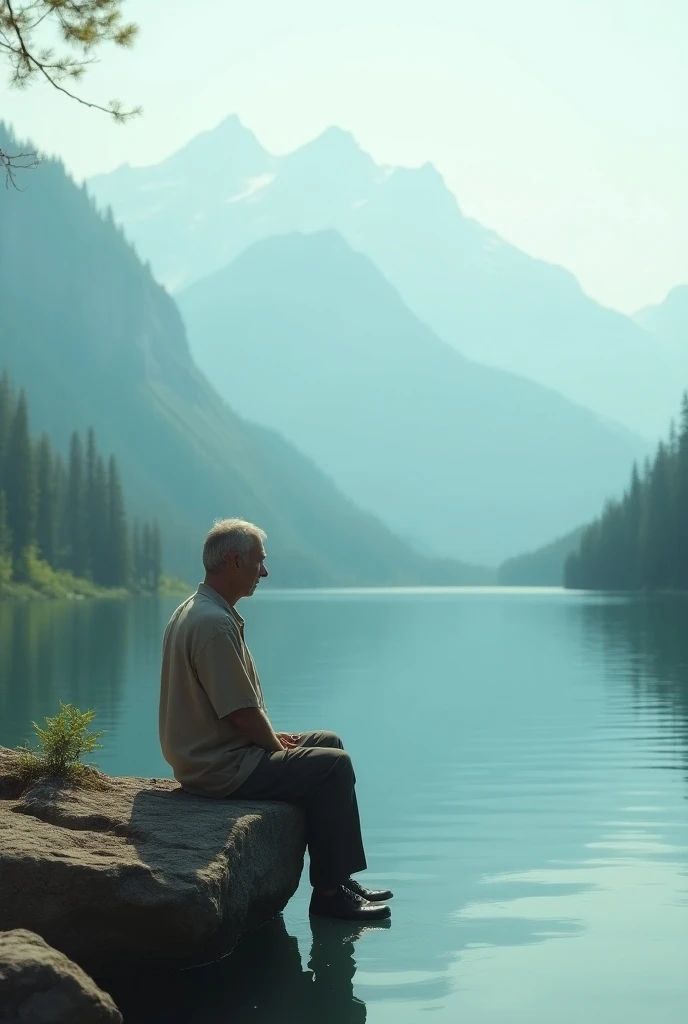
{"points": [[262, 981], [217, 737], [334, 967]]}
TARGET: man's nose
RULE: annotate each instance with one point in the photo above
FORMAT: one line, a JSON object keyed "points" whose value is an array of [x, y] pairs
{"points": [[263, 571]]}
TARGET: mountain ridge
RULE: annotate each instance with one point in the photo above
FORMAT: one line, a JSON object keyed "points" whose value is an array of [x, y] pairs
{"points": [[397, 417], [493, 302], [668, 321], [95, 340]]}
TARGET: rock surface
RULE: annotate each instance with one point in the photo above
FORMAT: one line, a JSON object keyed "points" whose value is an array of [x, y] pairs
{"points": [[142, 873], [38, 985]]}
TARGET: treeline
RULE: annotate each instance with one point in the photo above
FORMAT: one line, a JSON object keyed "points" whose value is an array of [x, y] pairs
{"points": [[71, 515], [641, 541]]}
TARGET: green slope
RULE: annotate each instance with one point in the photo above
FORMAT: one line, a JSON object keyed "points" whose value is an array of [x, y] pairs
{"points": [[96, 341]]}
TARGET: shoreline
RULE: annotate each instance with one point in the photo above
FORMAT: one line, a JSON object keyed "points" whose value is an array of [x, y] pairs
{"points": [[82, 590]]}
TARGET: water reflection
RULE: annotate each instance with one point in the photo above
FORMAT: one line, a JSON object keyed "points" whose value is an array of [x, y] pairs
{"points": [[520, 760], [51, 651], [262, 981], [646, 643]]}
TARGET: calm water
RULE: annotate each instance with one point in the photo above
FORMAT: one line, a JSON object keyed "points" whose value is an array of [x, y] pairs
{"points": [[523, 773]]}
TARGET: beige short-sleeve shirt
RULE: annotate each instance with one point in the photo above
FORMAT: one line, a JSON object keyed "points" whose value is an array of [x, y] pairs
{"points": [[207, 673]]}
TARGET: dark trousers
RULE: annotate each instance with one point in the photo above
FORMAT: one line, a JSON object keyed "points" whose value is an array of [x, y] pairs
{"points": [[317, 776]]}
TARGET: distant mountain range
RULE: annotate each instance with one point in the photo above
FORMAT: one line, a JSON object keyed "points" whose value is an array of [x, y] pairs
{"points": [[195, 212], [543, 567], [96, 341], [306, 336], [668, 321]]}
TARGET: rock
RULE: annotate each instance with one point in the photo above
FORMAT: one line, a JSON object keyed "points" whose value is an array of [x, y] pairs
{"points": [[143, 874], [11, 785], [38, 985]]}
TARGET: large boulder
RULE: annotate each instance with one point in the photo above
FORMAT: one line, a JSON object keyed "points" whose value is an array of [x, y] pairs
{"points": [[39, 985], [141, 873]]}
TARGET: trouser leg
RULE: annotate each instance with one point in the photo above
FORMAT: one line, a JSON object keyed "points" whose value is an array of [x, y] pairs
{"points": [[321, 738], [320, 780]]}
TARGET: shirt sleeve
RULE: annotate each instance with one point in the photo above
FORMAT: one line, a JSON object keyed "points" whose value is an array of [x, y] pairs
{"points": [[222, 674]]}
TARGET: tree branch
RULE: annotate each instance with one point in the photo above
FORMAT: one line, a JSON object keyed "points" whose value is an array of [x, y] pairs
{"points": [[83, 26], [13, 162]]}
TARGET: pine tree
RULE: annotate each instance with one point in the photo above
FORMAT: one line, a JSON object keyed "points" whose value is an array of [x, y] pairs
{"points": [[632, 527], [75, 509], [145, 556], [573, 574], [99, 512], [20, 489], [672, 516], [7, 410], [47, 518], [118, 545], [655, 536], [136, 566], [76, 516], [612, 552], [155, 558], [5, 542], [5, 533], [91, 523], [641, 542], [60, 492], [681, 500]]}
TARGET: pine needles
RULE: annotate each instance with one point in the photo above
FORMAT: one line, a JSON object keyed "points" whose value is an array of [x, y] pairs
{"points": [[30, 28]]}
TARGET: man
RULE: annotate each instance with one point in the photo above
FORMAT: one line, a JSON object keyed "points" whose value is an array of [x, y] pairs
{"points": [[217, 737]]}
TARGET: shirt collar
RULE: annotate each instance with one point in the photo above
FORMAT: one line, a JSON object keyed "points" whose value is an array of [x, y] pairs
{"points": [[207, 591]]}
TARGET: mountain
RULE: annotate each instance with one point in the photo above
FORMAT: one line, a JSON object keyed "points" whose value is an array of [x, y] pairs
{"points": [[668, 321], [96, 341], [194, 212], [306, 336], [541, 568]]}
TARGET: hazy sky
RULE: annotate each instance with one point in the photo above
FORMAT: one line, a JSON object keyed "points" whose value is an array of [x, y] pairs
{"points": [[561, 124]]}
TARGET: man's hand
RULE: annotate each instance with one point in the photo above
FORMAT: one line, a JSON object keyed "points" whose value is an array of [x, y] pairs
{"points": [[289, 740], [255, 724]]}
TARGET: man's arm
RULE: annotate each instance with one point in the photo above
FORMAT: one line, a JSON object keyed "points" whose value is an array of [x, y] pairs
{"points": [[255, 724]]}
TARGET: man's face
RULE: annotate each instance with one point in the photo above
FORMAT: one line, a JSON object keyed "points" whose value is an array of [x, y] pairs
{"points": [[251, 568]]}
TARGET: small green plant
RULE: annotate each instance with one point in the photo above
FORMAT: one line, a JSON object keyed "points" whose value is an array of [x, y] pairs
{"points": [[62, 742]]}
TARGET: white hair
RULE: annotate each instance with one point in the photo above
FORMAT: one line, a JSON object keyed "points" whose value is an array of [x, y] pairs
{"points": [[229, 537]]}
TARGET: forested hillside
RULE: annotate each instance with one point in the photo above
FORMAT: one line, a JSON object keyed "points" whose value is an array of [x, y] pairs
{"points": [[640, 542], [95, 341], [66, 515]]}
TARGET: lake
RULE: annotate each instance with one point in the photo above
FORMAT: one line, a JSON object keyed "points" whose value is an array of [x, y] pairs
{"points": [[522, 759]]}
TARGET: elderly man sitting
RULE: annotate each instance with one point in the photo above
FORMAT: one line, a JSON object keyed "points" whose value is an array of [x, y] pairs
{"points": [[217, 737]]}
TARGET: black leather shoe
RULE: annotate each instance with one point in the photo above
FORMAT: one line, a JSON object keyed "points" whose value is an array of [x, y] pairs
{"points": [[372, 895], [347, 906]]}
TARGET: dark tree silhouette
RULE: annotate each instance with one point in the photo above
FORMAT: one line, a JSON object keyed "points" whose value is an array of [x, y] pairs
{"points": [[640, 542], [72, 518]]}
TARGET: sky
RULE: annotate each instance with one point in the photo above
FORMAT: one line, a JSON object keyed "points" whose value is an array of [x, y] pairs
{"points": [[560, 124]]}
